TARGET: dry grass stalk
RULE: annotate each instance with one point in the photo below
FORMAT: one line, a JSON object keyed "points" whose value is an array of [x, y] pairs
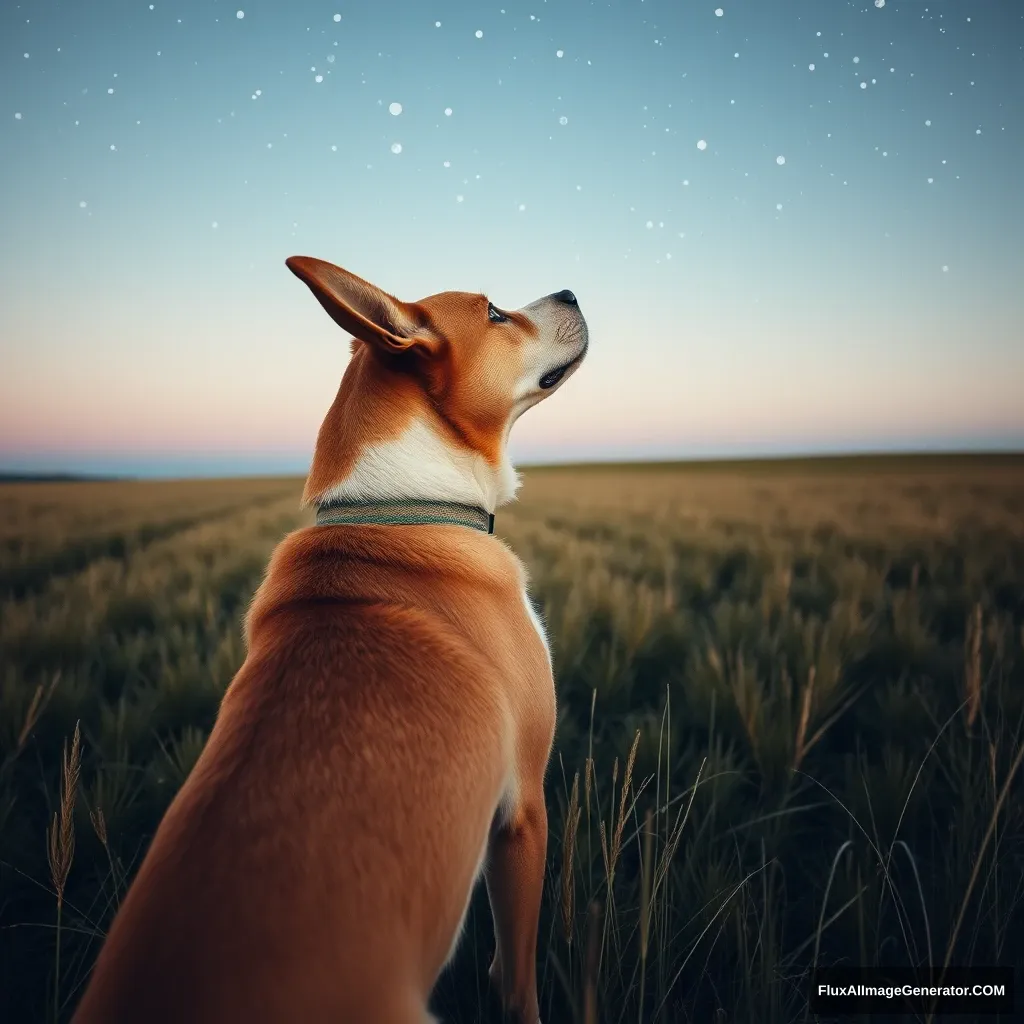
{"points": [[588, 773], [61, 835], [572, 822], [645, 883], [646, 864], [972, 669], [805, 716], [715, 660], [627, 781], [60, 849], [99, 825], [832, 719], [606, 845], [592, 963], [36, 707], [675, 834], [604, 848], [39, 701]]}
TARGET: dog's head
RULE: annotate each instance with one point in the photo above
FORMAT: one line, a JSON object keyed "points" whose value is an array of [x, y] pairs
{"points": [[455, 359]]}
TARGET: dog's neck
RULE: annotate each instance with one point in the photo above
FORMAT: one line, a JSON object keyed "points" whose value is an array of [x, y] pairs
{"points": [[420, 466], [356, 459]]}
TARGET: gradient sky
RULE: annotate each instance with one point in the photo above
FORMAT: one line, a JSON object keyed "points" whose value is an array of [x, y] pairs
{"points": [[793, 225]]}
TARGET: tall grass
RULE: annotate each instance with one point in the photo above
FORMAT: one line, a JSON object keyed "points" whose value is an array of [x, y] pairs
{"points": [[60, 849], [791, 722]]}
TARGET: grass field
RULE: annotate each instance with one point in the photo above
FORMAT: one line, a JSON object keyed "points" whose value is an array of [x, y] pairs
{"points": [[791, 720]]}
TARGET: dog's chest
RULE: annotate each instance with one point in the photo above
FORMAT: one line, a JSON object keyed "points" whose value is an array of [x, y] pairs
{"points": [[538, 624]]}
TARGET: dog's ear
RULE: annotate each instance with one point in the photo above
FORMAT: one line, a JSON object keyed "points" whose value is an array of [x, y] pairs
{"points": [[362, 309]]}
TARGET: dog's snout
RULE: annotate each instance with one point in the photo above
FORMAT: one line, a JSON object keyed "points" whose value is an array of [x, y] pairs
{"points": [[565, 296]]}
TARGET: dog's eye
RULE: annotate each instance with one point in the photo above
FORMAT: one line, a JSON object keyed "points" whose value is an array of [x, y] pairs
{"points": [[495, 315]]}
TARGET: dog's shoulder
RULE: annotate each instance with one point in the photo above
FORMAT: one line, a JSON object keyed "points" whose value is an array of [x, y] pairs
{"points": [[385, 564]]}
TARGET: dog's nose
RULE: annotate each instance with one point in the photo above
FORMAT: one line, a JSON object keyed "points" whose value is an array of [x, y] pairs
{"points": [[566, 296]]}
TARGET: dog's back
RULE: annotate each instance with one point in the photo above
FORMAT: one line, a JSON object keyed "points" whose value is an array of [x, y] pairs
{"points": [[392, 723], [354, 751]]}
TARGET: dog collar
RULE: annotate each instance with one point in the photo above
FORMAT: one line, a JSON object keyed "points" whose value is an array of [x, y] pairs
{"points": [[397, 512]]}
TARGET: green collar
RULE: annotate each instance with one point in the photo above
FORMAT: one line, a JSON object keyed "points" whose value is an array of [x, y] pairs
{"points": [[399, 512]]}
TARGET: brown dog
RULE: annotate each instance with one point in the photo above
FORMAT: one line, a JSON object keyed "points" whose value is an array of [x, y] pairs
{"points": [[386, 739]]}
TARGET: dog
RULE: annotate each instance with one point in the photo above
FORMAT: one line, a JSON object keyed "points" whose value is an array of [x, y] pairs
{"points": [[386, 739]]}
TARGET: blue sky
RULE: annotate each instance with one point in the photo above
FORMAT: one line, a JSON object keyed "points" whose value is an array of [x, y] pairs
{"points": [[771, 257]]}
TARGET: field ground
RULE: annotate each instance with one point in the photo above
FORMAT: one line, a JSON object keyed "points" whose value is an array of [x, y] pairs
{"points": [[801, 684]]}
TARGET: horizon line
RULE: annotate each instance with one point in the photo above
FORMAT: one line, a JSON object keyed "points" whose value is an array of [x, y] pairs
{"points": [[1002, 455]]}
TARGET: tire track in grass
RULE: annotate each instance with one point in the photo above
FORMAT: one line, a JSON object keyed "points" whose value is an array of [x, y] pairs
{"points": [[35, 575], [118, 611]]}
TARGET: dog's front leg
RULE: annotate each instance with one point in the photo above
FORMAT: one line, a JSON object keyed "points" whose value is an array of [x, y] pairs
{"points": [[515, 882]]}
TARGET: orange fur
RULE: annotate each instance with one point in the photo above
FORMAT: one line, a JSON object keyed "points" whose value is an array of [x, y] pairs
{"points": [[392, 721]]}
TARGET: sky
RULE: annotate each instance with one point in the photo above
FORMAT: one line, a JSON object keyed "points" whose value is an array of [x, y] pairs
{"points": [[793, 226]]}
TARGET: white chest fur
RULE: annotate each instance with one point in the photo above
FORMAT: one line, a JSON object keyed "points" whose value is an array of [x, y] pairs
{"points": [[420, 465], [537, 624]]}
